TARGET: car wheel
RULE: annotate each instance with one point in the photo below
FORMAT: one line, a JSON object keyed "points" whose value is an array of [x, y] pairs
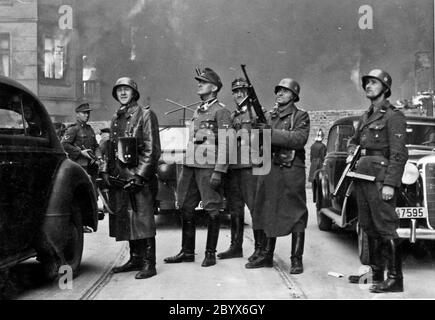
{"points": [[363, 246], [72, 251], [323, 222]]}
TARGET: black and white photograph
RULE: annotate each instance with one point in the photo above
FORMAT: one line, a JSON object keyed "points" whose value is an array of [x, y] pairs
{"points": [[216, 156]]}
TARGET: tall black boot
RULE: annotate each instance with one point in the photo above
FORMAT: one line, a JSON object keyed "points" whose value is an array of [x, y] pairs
{"points": [[394, 281], [149, 267], [259, 244], [266, 256], [298, 240], [135, 263], [212, 239], [187, 253], [235, 250], [376, 261]]}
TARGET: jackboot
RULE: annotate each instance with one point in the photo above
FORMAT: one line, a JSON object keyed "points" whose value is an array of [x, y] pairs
{"points": [[376, 261], [187, 253], [235, 250], [149, 267], [298, 240], [394, 281], [212, 239], [266, 256], [135, 263], [259, 244]]}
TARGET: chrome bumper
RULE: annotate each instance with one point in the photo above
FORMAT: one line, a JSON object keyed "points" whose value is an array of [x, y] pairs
{"points": [[420, 233]]}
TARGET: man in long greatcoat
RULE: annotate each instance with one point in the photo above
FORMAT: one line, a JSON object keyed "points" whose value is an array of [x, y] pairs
{"points": [[280, 197], [133, 154]]}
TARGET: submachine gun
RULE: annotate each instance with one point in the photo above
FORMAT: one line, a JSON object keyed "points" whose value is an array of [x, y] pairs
{"points": [[350, 173], [251, 100]]}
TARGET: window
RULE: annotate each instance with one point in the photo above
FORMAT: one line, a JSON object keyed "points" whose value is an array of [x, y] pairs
{"points": [[5, 54], [54, 57], [420, 134], [19, 114], [338, 138]]}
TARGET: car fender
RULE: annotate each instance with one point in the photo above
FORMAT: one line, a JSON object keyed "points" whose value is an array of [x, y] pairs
{"points": [[71, 183]]}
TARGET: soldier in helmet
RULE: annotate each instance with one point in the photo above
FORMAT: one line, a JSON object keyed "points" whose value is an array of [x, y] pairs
{"points": [[240, 182], [80, 143], [317, 154], [133, 154], [202, 173], [280, 201], [381, 133]]}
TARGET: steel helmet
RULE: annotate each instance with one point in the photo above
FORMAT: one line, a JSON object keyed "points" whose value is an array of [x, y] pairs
{"points": [[290, 84], [125, 81], [382, 76], [320, 135]]}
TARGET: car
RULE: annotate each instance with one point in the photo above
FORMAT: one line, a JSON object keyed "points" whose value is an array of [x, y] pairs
{"points": [[45, 198], [173, 139], [416, 197]]}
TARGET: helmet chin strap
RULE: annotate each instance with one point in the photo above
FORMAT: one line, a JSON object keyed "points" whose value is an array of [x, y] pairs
{"points": [[383, 92]]}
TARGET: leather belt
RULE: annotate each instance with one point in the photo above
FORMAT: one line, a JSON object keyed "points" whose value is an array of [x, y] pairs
{"points": [[368, 152]]}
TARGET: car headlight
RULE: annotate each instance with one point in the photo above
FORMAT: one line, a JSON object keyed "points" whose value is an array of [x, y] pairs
{"points": [[410, 174]]}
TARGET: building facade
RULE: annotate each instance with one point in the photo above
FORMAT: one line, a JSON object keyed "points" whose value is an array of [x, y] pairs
{"points": [[40, 47]]}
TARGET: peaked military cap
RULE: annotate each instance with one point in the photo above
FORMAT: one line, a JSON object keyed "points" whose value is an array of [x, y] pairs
{"points": [[83, 107], [239, 83], [208, 75]]}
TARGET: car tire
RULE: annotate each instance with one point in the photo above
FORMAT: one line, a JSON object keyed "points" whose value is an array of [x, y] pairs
{"points": [[323, 222], [363, 246], [72, 251]]}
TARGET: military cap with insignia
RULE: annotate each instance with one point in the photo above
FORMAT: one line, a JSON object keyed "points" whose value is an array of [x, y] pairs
{"points": [[208, 75], [238, 84], [84, 107]]}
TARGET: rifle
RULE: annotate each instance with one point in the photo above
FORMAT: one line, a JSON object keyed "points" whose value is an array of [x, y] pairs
{"points": [[252, 99], [348, 171], [128, 185]]}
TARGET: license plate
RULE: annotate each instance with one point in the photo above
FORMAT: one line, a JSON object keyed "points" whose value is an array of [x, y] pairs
{"points": [[411, 212]]}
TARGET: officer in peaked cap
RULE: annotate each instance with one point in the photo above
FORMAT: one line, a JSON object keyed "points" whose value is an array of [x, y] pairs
{"points": [[202, 180], [84, 107], [240, 183], [80, 143], [381, 134], [208, 75]]}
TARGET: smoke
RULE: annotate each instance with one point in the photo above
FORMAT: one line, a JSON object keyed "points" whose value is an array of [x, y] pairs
{"points": [[355, 73], [318, 43], [137, 8]]}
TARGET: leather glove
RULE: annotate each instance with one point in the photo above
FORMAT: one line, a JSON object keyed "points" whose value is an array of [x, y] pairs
{"points": [[135, 185], [216, 180]]}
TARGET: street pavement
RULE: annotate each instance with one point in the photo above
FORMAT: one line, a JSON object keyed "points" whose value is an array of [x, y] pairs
{"points": [[325, 252]]}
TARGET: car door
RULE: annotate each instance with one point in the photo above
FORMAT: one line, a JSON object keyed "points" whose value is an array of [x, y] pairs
{"points": [[27, 165]]}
